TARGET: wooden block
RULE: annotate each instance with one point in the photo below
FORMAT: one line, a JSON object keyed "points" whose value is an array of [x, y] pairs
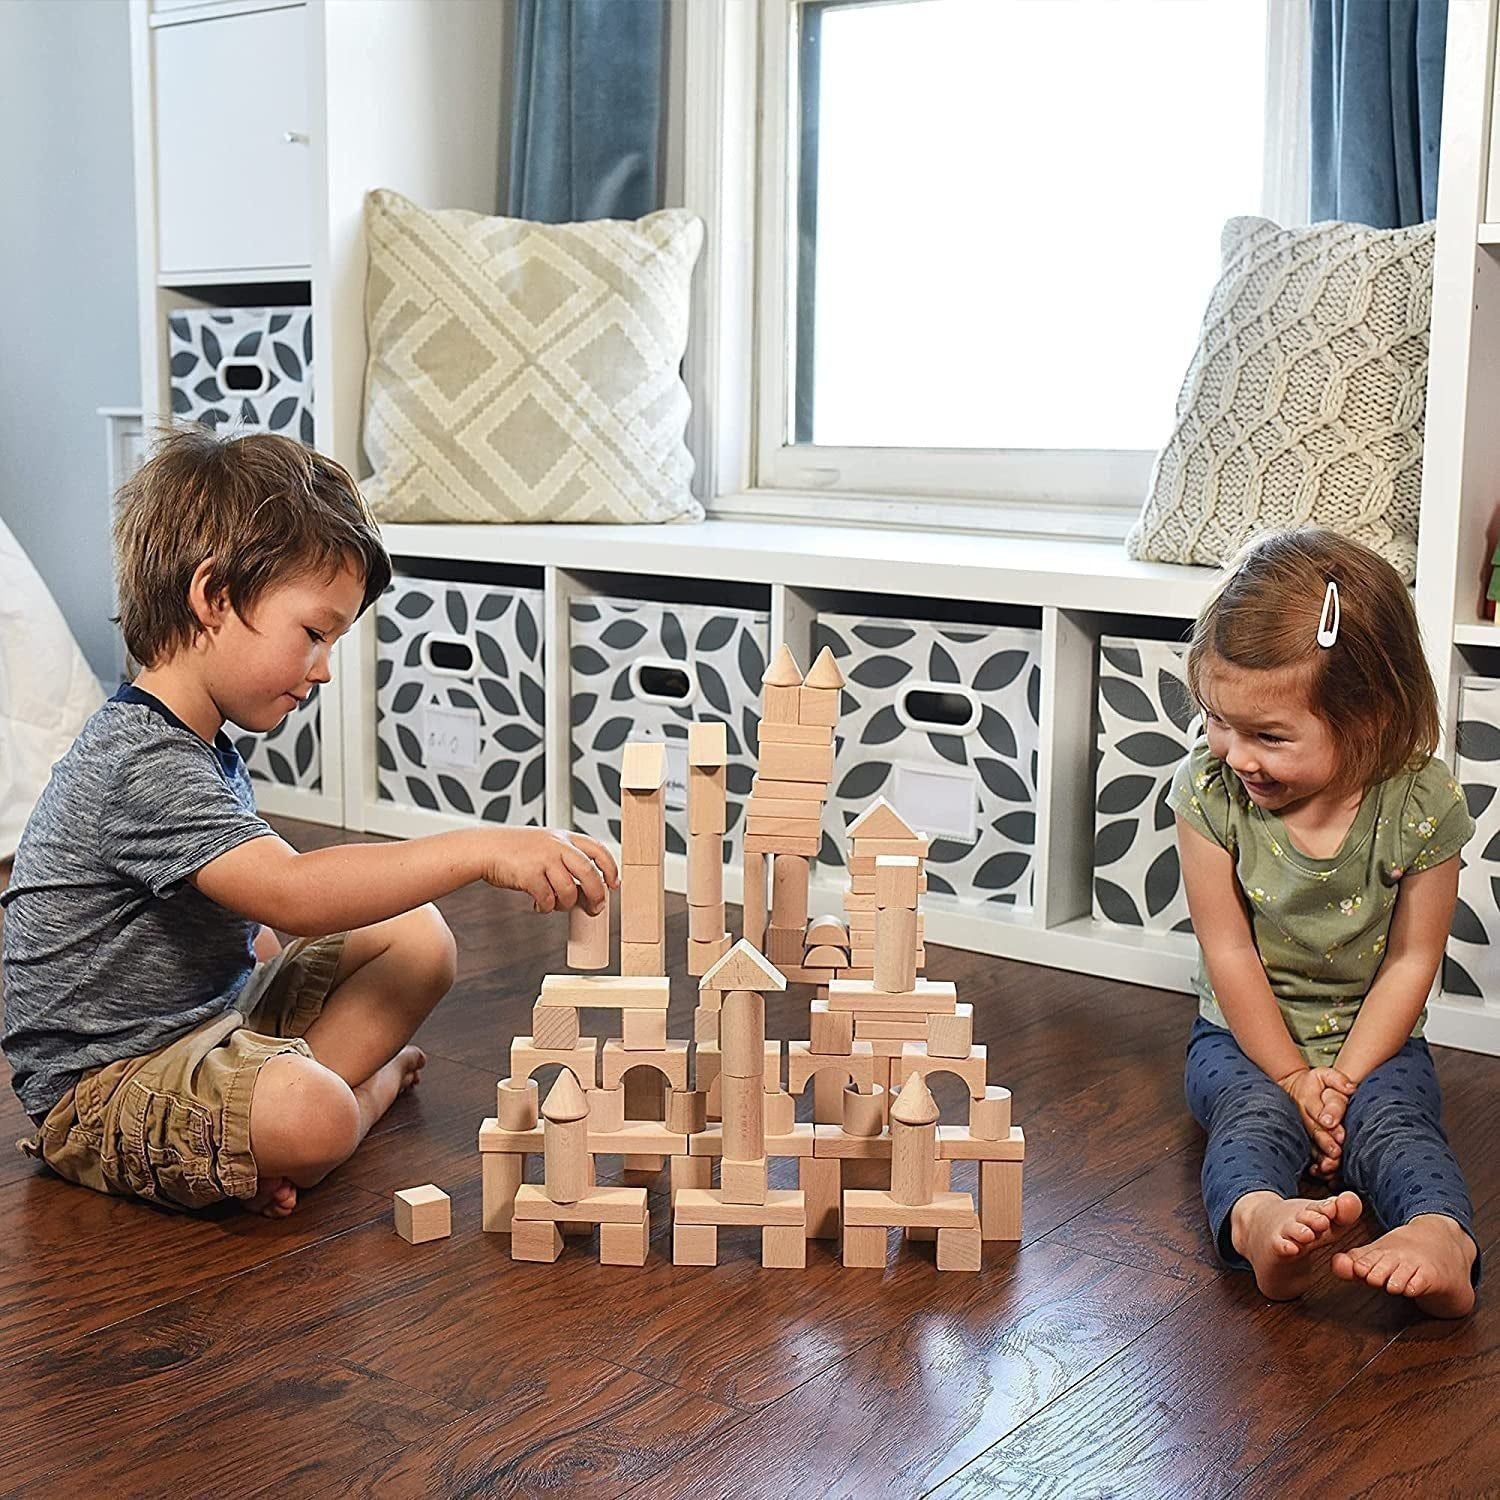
{"points": [[567, 1170], [692, 1171], [756, 898], [742, 1034], [819, 1180], [896, 880], [423, 1213], [670, 1061], [643, 766], [959, 1143], [643, 909], [878, 849], [826, 958], [881, 821], [827, 931], [864, 1114], [643, 958], [783, 1247], [624, 1244], [643, 1030], [784, 946], [554, 1027], [588, 937], [535, 1239], [780, 1114], [517, 1103], [858, 903], [778, 705], [642, 830], [501, 1175], [782, 670], [600, 1205], [706, 923], [787, 828], [972, 1069], [833, 1143], [946, 1211], [744, 967], [798, 1141], [863, 925], [606, 1110], [989, 1117], [703, 956], [796, 974], [795, 791], [708, 744], [794, 734], [516, 1142], [819, 706], [864, 958], [687, 1111], [784, 807], [959, 1250], [862, 883], [645, 1089], [857, 1067], [804, 763], [694, 1244], [926, 996], [705, 869], [831, 1031], [789, 882], [895, 949], [866, 1175], [640, 1139], [706, 1026], [743, 1106], [1000, 1199], [606, 991], [951, 1036], [707, 800], [525, 1059], [891, 1028], [700, 1206], [708, 1063], [742, 1181], [885, 1047], [864, 864], [913, 1160], [864, 1247], [824, 672], [768, 843], [828, 1098]]}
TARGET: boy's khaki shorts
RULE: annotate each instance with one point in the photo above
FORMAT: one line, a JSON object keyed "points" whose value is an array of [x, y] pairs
{"points": [[174, 1126]]}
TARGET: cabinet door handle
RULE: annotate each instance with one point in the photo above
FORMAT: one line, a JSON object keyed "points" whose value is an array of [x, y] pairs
{"points": [[295, 137]]}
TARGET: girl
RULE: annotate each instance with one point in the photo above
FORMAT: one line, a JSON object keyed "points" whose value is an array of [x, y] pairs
{"points": [[1318, 837]]}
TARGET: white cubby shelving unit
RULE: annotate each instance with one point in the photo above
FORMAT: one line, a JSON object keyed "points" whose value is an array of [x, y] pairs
{"points": [[407, 94]]}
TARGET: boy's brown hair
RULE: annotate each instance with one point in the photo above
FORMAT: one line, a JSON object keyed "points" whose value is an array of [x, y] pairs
{"points": [[1371, 687], [264, 508]]}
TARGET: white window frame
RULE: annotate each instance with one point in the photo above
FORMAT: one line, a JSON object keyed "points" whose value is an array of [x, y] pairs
{"points": [[739, 98]]}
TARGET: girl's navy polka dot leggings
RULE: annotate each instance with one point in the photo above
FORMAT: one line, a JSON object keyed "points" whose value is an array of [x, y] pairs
{"points": [[1396, 1156]]}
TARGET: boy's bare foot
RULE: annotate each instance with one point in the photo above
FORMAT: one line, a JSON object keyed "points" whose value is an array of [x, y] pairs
{"points": [[1429, 1259], [1275, 1234], [380, 1090], [275, 1199]]}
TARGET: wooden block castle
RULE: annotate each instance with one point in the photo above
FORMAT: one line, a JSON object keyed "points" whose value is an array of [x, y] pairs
{"points": [[875, 1156]]}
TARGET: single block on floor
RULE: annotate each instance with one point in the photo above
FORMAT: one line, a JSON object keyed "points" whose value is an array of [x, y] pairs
{"points": [[959, 1250], [624, 1244], [694, 1244], [864, 1246], [423, 1213], [783, 1246], [535, 1239]]}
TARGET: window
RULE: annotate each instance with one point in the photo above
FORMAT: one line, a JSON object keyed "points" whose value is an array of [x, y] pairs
{"points": [[988, 229]]}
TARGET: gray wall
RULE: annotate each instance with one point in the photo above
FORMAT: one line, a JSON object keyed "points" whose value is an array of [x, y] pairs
{"points": [[67, 292]]}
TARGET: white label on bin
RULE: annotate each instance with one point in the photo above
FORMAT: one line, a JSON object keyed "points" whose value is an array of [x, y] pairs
{"points": [[938, 802], [450, 737], [677, 769]]}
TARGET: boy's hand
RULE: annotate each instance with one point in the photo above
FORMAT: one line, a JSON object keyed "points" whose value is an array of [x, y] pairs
{"points": [[557, 870], [1321, 1096]]}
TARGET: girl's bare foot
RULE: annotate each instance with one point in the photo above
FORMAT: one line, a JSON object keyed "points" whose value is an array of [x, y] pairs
{"points": [[1428, 1259], [380, 1090], [275, 1199], [1275, 1235]]}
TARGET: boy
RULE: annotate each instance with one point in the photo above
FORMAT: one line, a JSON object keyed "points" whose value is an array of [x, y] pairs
{"points": [[154, 1055]]}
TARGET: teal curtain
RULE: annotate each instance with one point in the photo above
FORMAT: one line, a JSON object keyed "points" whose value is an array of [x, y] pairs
{"points": [[1377, 109], [586, 123]]}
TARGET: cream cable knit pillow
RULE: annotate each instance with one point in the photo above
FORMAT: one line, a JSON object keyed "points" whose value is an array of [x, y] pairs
{"points": [[527, 372], [1305, 399]]}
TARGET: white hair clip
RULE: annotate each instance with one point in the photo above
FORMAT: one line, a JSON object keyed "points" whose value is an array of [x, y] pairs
{"points": [[1328, 621]]}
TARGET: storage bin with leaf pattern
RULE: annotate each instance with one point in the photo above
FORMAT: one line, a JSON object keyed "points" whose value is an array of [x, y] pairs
{"points": [[291, 755], [246, 369], [941, 720], [643, 669], [1471, 965], [1147, 723], [460, 710]]}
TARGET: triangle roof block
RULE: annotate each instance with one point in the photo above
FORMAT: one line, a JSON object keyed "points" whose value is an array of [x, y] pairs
{"points": [[743, 968], [880, 821]]}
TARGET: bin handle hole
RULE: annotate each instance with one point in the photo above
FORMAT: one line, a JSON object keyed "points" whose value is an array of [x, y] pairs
{"points": [[656, 681], [939, 708], [244, 377], [447, 656]]}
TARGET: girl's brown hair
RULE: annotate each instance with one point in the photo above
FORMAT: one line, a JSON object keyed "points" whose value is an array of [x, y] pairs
{"points": [[264, 508], [1371, 687]]}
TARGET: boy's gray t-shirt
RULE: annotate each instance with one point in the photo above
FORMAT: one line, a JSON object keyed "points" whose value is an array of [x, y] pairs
{"points": [[109, 952]]}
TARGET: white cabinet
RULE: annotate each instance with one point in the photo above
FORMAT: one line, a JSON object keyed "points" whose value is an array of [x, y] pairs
{"points": [[233, 164]]}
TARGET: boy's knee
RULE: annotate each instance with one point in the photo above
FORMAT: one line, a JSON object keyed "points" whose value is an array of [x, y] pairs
{"points": [[304, 1119], [428, 942]]}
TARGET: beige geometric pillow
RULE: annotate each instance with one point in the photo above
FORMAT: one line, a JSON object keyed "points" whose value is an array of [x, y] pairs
{"points": [[1304, 401], [527, 372]]}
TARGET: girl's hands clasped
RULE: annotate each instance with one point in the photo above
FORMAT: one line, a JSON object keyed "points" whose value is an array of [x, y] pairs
{"points": [[557, 870], [1321, 1096]]}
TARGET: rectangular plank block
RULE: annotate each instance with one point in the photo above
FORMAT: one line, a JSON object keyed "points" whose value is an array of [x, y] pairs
{"points": [[804, 763], [606, 991], [946, 1211], [607, 1205], [704, 1206], [959, 1143], [769, 843], [775, 732], [925, 996]]}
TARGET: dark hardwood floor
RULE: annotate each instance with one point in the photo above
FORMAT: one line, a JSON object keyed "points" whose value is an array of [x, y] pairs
{"points": [[149, 1353]]}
